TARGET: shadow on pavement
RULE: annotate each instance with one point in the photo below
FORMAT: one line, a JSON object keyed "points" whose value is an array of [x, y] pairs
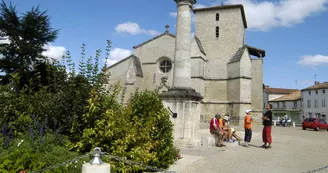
{"points": [[251, 145]]}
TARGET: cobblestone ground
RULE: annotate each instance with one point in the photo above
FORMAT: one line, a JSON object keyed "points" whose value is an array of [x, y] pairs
{"points": [[293, 150]]}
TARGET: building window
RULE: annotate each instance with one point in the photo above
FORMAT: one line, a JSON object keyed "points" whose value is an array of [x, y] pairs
{"points": [[217, 32], [316, 91], [295, 104], [278, 104], [309, 92], [283, 104], [323, 91], [165, 66], [309, 103], [315, 103], [310, 114], [217, 17], [323, 103]]}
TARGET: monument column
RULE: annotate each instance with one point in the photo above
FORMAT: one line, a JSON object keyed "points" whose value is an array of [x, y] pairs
{"points": [[182, 64], [181, 99]]}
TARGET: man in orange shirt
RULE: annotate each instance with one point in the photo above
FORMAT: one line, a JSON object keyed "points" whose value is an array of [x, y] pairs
{"points": [[248, 127]]}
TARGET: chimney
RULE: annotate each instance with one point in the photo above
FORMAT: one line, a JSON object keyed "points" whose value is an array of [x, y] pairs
{"points": [[316, 83]]}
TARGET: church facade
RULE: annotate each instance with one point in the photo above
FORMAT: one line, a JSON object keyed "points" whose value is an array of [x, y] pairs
{"points": [[223, 71]]}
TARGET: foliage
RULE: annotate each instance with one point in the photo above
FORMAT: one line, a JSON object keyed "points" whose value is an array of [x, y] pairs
{"points": [[49, 109], [140, 131], [35, 152], [26, 36]]}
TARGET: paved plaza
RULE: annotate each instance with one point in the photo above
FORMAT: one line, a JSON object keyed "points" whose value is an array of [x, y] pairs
{"points": [[293, 150]]}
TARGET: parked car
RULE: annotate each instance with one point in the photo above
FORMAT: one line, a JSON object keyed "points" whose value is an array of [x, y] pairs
{"points": [[314, 123]]}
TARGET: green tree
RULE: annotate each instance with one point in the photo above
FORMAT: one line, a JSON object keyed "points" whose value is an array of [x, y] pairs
{"points": [[26, 36]]}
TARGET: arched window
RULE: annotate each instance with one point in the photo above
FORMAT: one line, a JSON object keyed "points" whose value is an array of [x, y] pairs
{"points": [[165, 66], [217, 32]]}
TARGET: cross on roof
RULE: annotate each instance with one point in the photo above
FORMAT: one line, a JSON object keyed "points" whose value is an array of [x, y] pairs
{"points": [[167, 28]]}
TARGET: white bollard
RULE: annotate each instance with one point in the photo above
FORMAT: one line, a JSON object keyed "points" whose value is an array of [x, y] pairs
{"points": [[96, 165], [274, 122], [103, 168], [294, 124]]}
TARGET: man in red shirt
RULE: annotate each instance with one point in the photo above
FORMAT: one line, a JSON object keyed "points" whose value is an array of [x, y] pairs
{"points": [[217, 131]]}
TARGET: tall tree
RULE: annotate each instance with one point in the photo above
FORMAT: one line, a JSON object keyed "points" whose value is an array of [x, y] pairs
{"points": [[25, 37]]}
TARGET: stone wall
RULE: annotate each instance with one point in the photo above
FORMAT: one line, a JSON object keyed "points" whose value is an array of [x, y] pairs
{"points": [[215, 90], [150, 55], [219, 50]]}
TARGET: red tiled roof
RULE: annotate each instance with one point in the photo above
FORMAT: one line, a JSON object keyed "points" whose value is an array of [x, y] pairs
{"points": [[296, 95], [323, 85], [279, 90]]}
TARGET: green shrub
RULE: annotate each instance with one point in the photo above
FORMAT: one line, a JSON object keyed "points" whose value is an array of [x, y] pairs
{"points": [[140, 131], [33, 154]]}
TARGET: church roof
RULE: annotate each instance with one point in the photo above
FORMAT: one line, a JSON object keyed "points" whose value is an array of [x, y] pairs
{"points": [[136, 63], [238, 55], [225, 7], [143, 43], [252, 50], [199, 43], [260, 53], [119, 62]]}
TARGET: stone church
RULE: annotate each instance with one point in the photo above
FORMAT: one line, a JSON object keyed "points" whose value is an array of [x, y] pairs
{"points": [[225, 71]]}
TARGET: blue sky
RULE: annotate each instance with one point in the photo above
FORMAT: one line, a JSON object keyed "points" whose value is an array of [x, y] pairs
{"points": [[293, 32]]}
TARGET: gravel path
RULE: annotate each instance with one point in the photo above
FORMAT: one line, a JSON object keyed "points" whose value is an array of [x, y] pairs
{"points": [[293, 150]]}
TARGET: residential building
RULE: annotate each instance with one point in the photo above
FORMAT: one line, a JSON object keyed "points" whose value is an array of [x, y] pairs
{"points": [[273, 93], [315, 101], [289, 105]]}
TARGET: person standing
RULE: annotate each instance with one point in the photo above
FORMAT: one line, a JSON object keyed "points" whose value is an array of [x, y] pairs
{"points": [[248, 127], [217, 131], [267, 122], [289, 122]]}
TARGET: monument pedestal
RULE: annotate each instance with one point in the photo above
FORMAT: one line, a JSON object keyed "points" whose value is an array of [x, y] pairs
{"points": [[185, 102]]}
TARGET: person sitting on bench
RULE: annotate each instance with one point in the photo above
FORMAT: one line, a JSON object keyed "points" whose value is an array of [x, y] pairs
{"points": [[217, 131]]}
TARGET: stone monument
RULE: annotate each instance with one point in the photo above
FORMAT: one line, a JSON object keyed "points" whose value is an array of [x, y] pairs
{"points": [[182, 100]]}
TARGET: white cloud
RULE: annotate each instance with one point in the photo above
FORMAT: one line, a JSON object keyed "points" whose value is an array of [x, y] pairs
{"points": [[56, 52], [313, 60], [117, 54], [51, 51], [265, 15], [134, 29]]}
